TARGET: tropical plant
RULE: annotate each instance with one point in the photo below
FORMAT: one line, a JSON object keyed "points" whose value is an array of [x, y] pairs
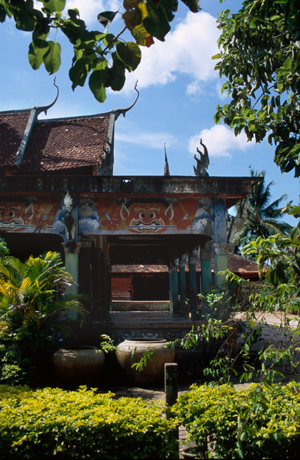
{"points": [[3, 248], [262, 218], [29, 307], [260, 58]]}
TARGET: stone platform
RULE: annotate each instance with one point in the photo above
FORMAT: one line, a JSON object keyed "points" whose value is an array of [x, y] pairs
{"points": [[149, 325]]}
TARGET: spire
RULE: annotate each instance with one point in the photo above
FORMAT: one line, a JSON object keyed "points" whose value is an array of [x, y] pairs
{"points": [[166, 170]]}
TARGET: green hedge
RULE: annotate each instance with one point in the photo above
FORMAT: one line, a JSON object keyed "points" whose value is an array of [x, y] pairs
{"points": [[80, 424], [257, 422]]}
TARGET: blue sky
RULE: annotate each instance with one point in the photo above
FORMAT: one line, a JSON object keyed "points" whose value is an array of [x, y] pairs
{"points": [[179, 91]]}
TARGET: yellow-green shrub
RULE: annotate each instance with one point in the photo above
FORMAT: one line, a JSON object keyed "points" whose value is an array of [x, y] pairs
{"points": [[257, 422], [80, 424]]}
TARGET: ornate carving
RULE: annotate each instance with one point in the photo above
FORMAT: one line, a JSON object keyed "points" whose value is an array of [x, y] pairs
{"points": [[172, 335], [202, 162], [150, 335], [125, 335]]}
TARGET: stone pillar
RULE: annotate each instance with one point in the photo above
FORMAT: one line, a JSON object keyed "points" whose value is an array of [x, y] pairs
{"points": [[193, 284], [72, 267], [206, 278], [182, 279], [171, 288], [175, 289], [220, 246], [221, 260], [96, 282], [85, 267]]}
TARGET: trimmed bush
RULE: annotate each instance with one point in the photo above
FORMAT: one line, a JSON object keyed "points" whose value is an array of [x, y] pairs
{"points": [[257, 422], [80, 424]]}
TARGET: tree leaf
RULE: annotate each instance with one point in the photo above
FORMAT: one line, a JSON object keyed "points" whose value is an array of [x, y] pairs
{"points": [[156, 23], [106, 17], [51, 6], [78, 73], [193, 5], [116, 75], [142, 36], [52, 57], [37, 50], [130, 54], [97, 81]]}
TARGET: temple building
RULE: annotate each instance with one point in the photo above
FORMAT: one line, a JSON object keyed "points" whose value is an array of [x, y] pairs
{"points": [[58, 192]]}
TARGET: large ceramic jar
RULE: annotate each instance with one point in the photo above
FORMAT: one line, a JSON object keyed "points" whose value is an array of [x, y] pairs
{"points": [[132, 351], [78, 365]]}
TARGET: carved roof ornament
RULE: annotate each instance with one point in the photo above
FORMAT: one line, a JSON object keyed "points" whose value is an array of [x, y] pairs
{"points": [[166, 170], [202, 162], [118, 112], [35, 111]]}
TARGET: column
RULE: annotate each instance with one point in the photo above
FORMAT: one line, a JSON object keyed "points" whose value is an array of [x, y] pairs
{"points": [[171, 289], [220, 245], [193, 285], [72, 267], [182, 280], [205, 257], [85, 267], [96, 282], [175, 289], [221, 260]]}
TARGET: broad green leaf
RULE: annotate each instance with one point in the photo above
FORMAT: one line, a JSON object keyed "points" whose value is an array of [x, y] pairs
{"points": [[52, 6], [97, 81], [52, 57], [2, 13], [128, 4], [141, 36], [193, 5], [156, 23], [132, 18], [78, 73], [130, 54], [169, 7], [116, 75], [37, 50]]}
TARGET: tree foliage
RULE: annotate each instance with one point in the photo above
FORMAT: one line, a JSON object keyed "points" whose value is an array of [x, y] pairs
{"points": [[260, 59], [262, 218], [100, 56]]}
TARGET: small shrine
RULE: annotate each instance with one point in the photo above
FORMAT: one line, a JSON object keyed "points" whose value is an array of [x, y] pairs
{"points": [[58, 192]]}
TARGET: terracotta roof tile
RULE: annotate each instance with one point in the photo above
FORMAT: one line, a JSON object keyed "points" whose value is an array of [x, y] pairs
{"points": [[55, 144], [236, 264], [65, 144], [12, 127]]}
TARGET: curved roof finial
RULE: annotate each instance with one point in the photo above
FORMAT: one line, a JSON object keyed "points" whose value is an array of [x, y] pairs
{"points": [[47, 107], [118, 112]]}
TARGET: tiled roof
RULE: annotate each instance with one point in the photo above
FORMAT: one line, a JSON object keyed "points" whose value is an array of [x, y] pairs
{"points": [[12, 127], [236, 264], [64, 144], [53, 144]]}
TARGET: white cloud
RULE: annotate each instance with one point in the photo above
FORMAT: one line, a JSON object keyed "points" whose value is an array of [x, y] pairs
{"points": [[220, 141], [147, 139], [89, 9], [193, 88], [187, 50]]}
